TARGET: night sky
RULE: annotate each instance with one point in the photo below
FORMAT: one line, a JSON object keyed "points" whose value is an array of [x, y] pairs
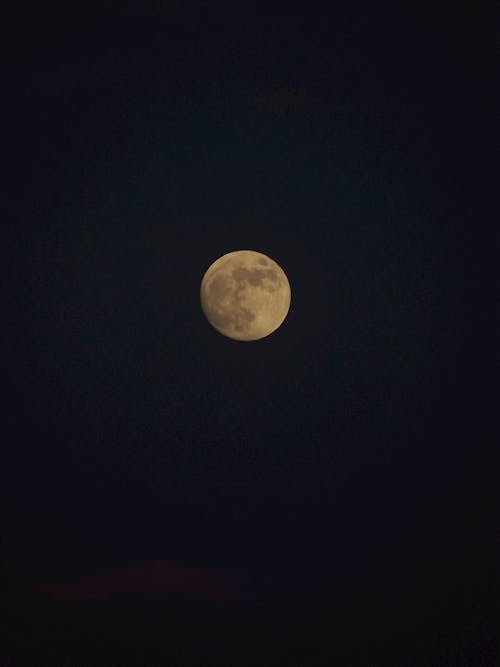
{"points": [[170, 496]]}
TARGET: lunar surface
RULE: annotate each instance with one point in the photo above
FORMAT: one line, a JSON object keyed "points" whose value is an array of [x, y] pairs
{"points": [[245, 295]]}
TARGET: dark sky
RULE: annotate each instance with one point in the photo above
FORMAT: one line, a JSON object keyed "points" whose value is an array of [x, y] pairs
{"points": [[324, 481]]}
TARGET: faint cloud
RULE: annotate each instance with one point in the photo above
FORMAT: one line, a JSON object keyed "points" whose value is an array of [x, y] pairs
{"points": [[151, 579]]}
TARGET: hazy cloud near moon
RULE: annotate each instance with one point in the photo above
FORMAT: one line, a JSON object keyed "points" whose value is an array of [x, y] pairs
{"points": [[152, 578]]}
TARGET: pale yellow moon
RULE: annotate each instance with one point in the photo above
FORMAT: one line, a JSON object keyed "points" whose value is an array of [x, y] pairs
{"points": [[245, 295]]}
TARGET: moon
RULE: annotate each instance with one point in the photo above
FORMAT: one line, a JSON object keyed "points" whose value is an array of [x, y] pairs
{"points": [[245, 295]]}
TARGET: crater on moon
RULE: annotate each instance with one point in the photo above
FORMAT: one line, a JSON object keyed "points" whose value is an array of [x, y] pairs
{"points": [[242, 299]]}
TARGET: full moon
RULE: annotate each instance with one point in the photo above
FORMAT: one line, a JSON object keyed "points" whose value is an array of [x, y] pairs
{"points": [[245, 295]]}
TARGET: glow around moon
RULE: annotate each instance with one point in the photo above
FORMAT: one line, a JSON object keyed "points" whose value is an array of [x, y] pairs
{"points": [[245, 295]]}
